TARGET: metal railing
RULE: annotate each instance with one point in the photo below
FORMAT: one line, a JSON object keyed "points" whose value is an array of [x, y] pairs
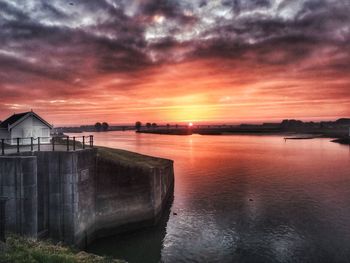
{"points": [[62, 143]]}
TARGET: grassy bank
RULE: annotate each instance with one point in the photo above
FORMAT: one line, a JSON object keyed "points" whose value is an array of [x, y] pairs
{"points": [[131, 158], [24, 250]]}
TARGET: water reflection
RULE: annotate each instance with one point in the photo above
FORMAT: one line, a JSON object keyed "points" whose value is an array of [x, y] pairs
{"points": [[244, 199], [140, 246]]}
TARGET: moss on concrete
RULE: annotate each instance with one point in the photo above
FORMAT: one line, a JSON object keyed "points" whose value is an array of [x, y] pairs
{"points": [[24, 250], [131, 158]]}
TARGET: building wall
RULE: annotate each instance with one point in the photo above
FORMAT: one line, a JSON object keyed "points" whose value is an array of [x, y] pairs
{"points": [[30, 127], [4, 134]]}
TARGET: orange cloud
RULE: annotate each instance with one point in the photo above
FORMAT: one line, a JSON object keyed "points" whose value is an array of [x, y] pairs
{"points": [[210, 90]]}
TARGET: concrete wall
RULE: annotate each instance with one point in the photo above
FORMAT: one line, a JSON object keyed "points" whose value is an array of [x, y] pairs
{"points": [[18, 182], [61, 178], [84, 198], [77, 197], [126, 197]]}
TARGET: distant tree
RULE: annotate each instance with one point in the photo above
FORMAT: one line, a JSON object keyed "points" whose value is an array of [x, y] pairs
{"points": [[138, 125], [148, 125], [98, 126], [168, 126], [105, 126], [177, 126], [154, 125]]}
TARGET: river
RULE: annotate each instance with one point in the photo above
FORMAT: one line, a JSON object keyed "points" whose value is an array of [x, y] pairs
{"points": [[242, 199]]}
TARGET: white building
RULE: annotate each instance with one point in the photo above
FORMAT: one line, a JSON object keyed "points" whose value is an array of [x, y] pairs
{"points": [[24, 126]]}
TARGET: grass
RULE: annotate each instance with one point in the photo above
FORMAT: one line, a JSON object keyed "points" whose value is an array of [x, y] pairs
{"points": [[23, 250], [131, 158]]}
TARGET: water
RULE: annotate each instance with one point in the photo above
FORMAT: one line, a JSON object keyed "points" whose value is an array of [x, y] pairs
{"points": [[243, 199]]}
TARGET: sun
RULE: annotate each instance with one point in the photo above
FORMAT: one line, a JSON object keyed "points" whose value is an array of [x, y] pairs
{"points": [[190, 124]]}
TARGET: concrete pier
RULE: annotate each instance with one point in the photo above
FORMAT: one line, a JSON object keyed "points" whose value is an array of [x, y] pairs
{"points": [[79, 196], [18, 183]]}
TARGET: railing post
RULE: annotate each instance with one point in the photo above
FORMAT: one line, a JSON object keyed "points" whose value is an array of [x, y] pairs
{"points": [[83, 142], [31, 144], [38, 144], [53, 143], [17, 145], [73, 143], [2, 218], [67, 143], [2, 146], [91, 141]]}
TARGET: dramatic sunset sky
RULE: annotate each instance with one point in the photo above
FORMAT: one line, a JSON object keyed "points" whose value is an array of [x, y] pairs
{"points": [[82, 61]]}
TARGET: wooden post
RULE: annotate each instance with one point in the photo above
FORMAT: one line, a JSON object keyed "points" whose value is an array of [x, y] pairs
{"points": [[38, 144], [67, 143], [3, 146], [17, 145], [73, 143], [83, 142], [53, 144], [31, 144]]}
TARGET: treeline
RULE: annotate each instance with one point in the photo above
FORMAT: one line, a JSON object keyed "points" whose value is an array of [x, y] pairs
{"points": [[148, 125], [101, 126], [139, 125]]}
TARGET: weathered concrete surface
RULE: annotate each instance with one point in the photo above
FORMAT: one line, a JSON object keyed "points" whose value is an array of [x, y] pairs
{"points": [[130, 196], [61, 175], [79, 196], [18, 182]]}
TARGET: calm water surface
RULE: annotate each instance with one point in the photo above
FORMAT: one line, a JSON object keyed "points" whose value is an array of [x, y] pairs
{"points": [[243, 199]]}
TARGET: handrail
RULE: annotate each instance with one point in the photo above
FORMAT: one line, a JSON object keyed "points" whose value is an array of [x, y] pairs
{"points": [[71, 143]]}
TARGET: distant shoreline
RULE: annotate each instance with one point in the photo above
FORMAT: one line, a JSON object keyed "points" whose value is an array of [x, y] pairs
{"points": [[295, 129], [344, 140], [336, 136]]}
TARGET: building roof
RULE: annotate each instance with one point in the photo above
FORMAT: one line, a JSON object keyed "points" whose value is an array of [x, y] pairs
{"points": [[14, 118], [17, 118]]}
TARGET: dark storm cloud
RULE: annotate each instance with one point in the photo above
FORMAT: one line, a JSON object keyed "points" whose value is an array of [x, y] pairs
{"points": [[282, 39], [79, 39], [53, 43]]}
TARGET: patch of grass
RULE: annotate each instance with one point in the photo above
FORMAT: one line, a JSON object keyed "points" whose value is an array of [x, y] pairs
{"points": [[131, 158], [24, 250]]}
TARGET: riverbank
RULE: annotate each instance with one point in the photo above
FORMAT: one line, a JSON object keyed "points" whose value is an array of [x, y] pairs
{"points": [[331, 129], [340, 134], [343, 140], [19, 250], [316, 133]]}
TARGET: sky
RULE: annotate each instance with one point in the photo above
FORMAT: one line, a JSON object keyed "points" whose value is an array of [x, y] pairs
{"points": [[166, 61]]}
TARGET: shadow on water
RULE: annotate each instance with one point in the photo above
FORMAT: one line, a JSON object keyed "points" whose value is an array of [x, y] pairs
{"points": [[143, 245]]}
